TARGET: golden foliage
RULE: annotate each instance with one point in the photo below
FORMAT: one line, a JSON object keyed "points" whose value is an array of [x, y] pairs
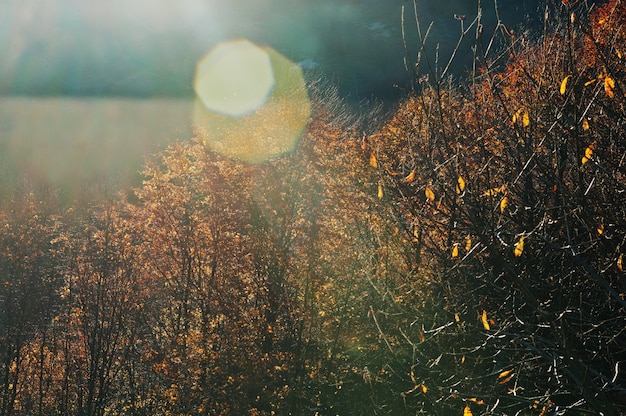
{"points": [[504, 203], [430, 195], [373, 160], [485, 321], [609, 86], [460, 185], [519, 247], [563, 87]]}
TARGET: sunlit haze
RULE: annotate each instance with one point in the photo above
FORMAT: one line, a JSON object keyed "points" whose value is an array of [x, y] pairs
{"points": [[61, 51]]}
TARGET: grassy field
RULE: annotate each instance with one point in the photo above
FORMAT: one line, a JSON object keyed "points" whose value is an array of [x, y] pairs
{"points": [[80, 143]]}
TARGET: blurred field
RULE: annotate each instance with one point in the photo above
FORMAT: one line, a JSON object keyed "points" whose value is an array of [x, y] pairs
{"points": [[80, 143]]}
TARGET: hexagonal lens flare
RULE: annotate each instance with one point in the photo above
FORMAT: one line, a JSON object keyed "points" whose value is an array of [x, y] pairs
{"points": [[251, 102], [234, 79]]}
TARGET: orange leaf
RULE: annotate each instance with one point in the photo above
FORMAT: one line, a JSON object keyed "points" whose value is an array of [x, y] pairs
{"points": [[609, 84], [506, 380], [600, 229], [588, 154], [467, 411], [373, 160], [483, 318], [430, 195], [424, 389], [411, 177], [585, 124], [504, 203], [619, 262]]}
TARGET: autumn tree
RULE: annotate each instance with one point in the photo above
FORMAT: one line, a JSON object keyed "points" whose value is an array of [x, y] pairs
{"points": [[513, 187], [29, 276]]}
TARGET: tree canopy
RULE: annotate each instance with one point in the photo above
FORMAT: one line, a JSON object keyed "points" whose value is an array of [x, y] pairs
{"points": [[463, 256]]}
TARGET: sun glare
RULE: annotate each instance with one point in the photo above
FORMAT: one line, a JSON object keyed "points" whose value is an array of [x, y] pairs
{"points": [[251, 102]]}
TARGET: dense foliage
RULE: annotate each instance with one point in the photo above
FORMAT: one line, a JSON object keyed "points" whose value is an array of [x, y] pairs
{"points": [[466, 257]]}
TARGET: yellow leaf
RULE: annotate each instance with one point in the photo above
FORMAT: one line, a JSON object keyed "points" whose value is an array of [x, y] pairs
{"points": [[526, 119], [455, 251], [519, 247], [467, 411], [504, 373], [483, 318], [588, 154], [380, 191], [585, 124], [588, 83], [457, 318], [492, 192], [468, 243], [421, 336], [477, 401], [460, 186], [430, 195], [564, 84], [504, 203], [609, 84], [373, 160], [410, 178], [505, 380], [619, 262], [600, 229], [424, 389], [463, 360]]}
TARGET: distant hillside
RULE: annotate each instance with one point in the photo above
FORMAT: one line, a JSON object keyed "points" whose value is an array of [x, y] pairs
{"points": [[76, 143]]}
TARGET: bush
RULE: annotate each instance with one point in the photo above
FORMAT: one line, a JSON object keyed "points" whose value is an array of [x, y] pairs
{"points": [[514, 187]]}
